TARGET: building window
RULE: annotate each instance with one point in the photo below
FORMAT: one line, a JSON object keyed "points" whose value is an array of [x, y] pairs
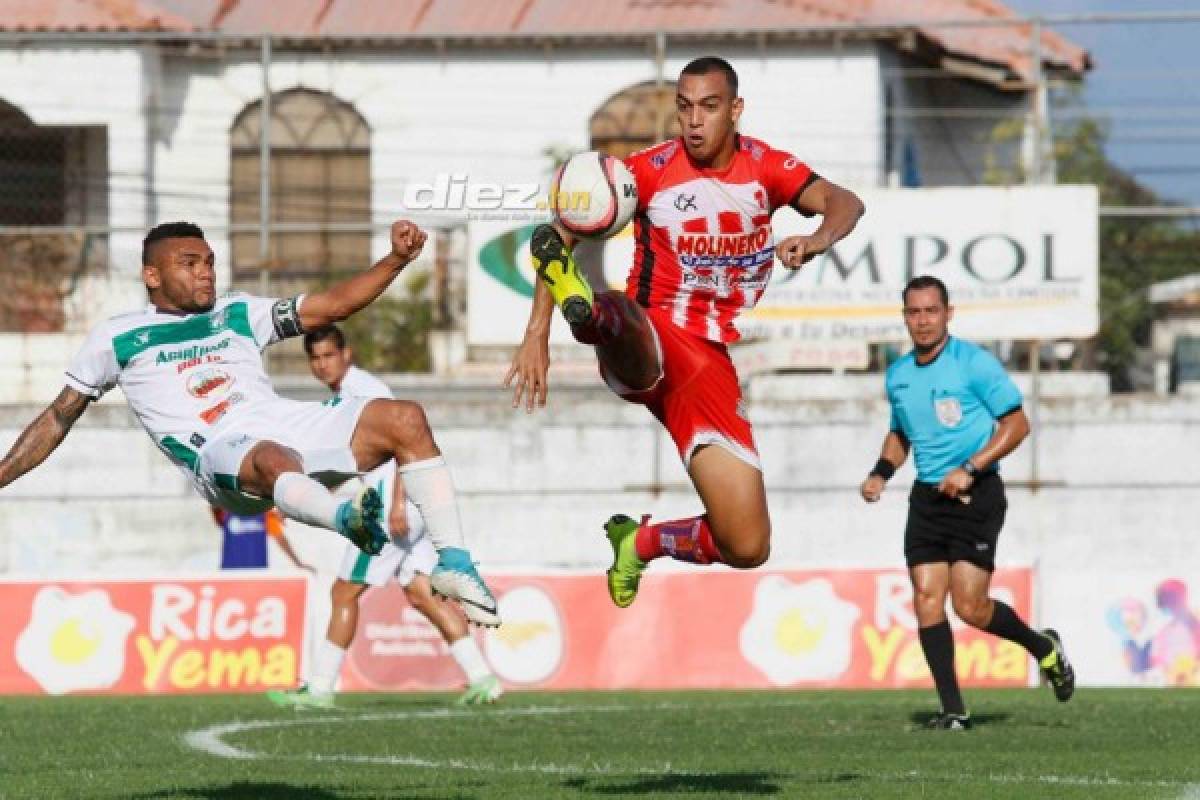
{"points": [[634, 119], [320, 179], [53, 177]]}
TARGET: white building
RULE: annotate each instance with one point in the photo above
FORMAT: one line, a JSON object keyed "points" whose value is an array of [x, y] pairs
{"points": [[117, 116]]}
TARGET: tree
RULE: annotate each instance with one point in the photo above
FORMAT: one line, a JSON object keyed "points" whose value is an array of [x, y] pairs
{"points": [[1134, 252]]}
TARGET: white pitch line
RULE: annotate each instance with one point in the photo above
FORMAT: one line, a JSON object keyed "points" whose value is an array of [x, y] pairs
{"points": [[210, 740]]}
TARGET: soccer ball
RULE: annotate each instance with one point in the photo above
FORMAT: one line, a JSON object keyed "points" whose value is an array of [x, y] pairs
{"points": [[593, 195]]}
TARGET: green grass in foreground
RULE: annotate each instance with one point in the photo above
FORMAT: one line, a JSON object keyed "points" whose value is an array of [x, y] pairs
{"points": [[1103, 744]]}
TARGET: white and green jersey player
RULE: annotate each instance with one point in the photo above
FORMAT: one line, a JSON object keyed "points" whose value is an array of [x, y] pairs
{"points": [[190, 366], [197, 385]]}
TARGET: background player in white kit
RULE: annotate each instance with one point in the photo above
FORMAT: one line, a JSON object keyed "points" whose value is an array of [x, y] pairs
{"points": [[190, 365], [408, 558]]}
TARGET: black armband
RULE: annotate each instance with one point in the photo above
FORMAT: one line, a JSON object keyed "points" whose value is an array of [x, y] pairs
{"points": [[285, 316], [884, 469]]}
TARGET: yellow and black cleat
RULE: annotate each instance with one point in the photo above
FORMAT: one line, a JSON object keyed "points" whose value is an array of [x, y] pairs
{"points": [[558, 271]]}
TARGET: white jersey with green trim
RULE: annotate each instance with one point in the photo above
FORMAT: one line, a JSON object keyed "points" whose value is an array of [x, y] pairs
{"points": [[358, 382], [188, 377]]}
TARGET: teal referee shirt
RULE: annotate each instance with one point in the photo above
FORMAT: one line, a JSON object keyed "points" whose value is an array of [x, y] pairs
{"points": [[947, 409]]}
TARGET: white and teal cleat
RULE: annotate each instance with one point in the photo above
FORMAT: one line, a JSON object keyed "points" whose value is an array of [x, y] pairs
{"points": [[361, 521], [455, 577]]}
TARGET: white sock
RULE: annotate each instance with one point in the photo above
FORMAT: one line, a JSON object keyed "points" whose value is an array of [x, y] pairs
{"points": [[429, 485], [466, 654], [301, 498], [327, 666]]}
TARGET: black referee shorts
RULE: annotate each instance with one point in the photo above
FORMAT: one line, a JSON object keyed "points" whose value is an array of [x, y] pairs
{"points": [[942, 528]]}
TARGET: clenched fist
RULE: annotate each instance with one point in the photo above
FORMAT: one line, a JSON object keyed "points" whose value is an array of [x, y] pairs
{"points": [[407, 240]]}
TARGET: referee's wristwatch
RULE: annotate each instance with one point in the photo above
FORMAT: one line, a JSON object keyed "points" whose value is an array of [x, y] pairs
{"points": [[969, 467]]}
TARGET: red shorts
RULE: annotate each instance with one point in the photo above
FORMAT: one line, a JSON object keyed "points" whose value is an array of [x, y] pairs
{"points": [[697, 398]]}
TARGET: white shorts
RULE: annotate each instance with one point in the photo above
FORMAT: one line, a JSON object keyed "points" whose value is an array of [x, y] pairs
{"points": [[401, 559], [320, 433]]}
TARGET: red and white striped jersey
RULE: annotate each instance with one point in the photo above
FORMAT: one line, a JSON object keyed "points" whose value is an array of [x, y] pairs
{"points": [[704, 249]]}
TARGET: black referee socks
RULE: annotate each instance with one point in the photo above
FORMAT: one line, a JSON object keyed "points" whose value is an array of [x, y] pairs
{"points": [[937, 641], [1007, 625]]}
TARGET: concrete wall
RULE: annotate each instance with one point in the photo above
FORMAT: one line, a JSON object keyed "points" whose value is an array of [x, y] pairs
{"points": [[1113, 517]]}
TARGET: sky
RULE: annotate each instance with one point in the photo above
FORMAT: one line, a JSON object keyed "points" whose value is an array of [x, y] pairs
{"points": [[1146, 82]]}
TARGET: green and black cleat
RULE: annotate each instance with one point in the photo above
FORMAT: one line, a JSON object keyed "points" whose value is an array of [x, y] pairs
{"points": [[949, 722], [1056, 668]]}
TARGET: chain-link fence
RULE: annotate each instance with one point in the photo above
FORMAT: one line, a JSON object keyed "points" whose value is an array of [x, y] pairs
{"points": [[148, 128]]}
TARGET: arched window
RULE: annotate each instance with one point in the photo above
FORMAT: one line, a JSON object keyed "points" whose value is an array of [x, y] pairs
{"points": [[320, 178], [634, 118]]}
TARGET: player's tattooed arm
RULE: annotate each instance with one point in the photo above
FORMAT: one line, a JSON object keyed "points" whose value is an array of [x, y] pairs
{"points": [[43, 435], [337, 302], [840, 211]]}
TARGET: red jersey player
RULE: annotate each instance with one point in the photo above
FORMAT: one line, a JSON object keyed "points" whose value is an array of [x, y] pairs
{"points": [[704, 253]]}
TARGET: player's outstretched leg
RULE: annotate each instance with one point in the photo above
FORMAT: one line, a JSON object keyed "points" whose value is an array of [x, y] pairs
{"points": [[625, 574], [456, 578], [399, 430], [735, 530], [609, 320], [558, 270], [271, 470]]}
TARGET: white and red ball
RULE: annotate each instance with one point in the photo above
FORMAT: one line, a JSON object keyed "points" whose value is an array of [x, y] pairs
{"points": [[593, 195]]}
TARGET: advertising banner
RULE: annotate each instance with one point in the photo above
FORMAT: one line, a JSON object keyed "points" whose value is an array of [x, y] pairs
{"points": [[151, 636], [1020, 263], [1143, 629], [688, 630]]}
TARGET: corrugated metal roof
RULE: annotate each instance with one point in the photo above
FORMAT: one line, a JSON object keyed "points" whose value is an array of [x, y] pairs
{"points": [[1007, 47], [89, 15]]}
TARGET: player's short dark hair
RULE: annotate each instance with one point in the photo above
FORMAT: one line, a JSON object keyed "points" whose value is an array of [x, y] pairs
{"points": [[706, 65], [927, 282], [168, 230], [327, 333]]}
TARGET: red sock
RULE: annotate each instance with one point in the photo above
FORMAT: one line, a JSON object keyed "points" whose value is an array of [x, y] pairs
{"points": [[605, 324], [682, 539]]}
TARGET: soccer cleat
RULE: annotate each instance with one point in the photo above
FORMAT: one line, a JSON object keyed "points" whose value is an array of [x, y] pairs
{"points": [[558, 271], [482, 692], [949, 722], [301, 699], [1057, 669], [361, 521], [626, 571], [455, 577]]}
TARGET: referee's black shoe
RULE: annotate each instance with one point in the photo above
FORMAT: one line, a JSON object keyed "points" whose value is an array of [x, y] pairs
{"points": [[949, 722], [1057, 669]]}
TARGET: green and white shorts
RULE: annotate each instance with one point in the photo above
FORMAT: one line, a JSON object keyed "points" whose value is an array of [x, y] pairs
{"points": [[320, 433]]}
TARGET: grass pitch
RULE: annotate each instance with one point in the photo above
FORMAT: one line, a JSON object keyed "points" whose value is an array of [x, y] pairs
{"points": [[1103, 744]]}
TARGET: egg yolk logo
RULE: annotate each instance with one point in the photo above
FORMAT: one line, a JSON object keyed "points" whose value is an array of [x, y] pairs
{"points": [[528, 647], [74, 642], [798, 632]]}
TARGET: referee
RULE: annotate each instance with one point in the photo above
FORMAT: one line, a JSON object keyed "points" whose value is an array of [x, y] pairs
{"points": [[953, 403]]}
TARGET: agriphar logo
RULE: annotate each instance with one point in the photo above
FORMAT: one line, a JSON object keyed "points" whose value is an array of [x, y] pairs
{"points": [[505, 257]]}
